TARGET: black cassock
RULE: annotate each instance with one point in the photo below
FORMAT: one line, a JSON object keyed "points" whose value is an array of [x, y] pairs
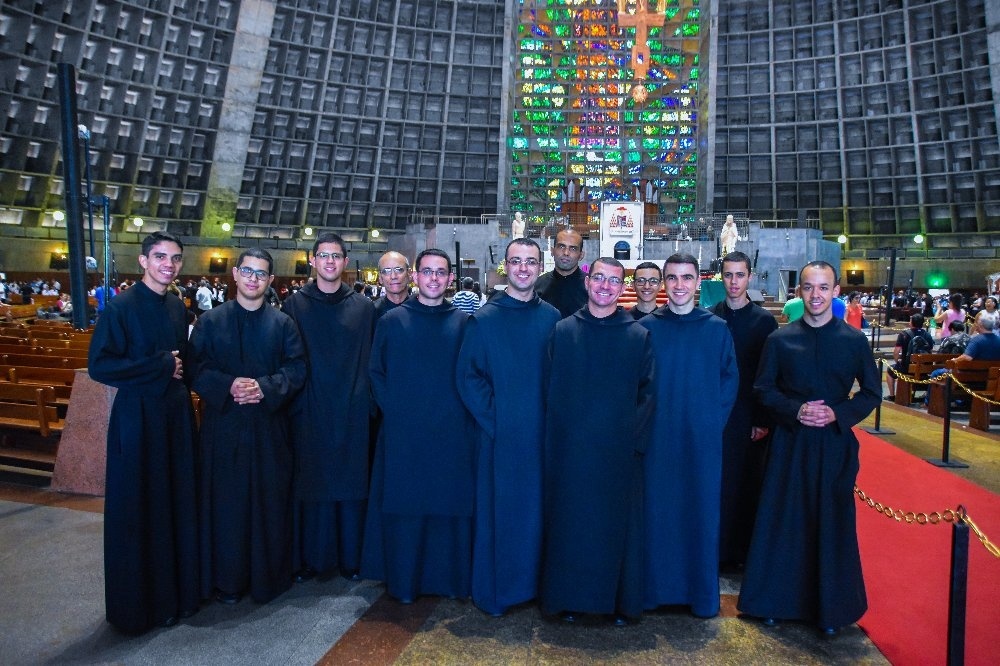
{"points": [[743, 459], [599, 403], [500, 384], [803, 561], [418, 534], [246, 455], [568, 293], [150, 515], [330, 419]]}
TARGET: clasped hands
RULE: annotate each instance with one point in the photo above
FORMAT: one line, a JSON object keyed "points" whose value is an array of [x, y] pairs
{"points": [[246, 391], [815, 414]]}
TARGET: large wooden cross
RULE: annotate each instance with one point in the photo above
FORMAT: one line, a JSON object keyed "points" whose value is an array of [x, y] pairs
{"points": [[642, 18]]}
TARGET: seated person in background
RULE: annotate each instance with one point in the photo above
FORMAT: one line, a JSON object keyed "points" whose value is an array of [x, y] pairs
{"points": [[984, 346], [957, 341], [914, 340]]}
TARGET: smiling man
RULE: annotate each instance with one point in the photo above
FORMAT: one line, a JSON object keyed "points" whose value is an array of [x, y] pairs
{"points": [[744, 440], [247, 363], [503, 338], [137, 347], [418, 535], [599, 396], [330, 416], [394, 276], [803, 562], [697, 376], [647, 281]]}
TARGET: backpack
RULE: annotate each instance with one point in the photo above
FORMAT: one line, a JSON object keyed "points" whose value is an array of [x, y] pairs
{"points": [[920, 343]]}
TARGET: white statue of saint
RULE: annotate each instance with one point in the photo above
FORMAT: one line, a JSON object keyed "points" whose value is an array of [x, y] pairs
{"points": [[729, 235], [517, 226]]}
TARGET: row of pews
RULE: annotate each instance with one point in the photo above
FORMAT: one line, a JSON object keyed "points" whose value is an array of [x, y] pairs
{"points": [[38, 364], [981, 377]]}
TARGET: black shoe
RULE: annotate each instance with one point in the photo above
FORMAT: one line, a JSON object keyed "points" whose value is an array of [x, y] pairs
{"points": [[770, 622], [350, 574], [169, 622], [829, 631], [228, 598], [304, 574], [890, 398], [567, 617], [622, 621]]}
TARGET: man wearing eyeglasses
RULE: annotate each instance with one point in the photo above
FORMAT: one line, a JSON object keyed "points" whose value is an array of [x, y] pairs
{"points": [[247, 363], [330, 417], [394, 276], [504, 337], [599, 390], [697, 376], [564, 287], [744, 441], [646, 280], [418, 535]]}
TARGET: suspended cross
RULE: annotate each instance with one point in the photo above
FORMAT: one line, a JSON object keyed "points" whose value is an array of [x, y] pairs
{"points": [[642, 19]]}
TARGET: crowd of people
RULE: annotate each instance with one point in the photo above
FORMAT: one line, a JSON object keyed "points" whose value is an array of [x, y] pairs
{"points": [[550, 446]]}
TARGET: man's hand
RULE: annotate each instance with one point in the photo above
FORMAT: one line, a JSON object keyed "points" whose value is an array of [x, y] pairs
{"points": [[815, 414], [757, 433], [246, 391], [178, 365]]}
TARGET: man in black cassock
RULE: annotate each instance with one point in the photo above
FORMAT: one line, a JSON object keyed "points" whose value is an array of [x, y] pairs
{"points": [[150, 512], [418, 536], [330, 417], [504, 343], [600, 395], [563, 286], [697, 378], [744, 442], [394, 276], [803, 562], [247, 362]]}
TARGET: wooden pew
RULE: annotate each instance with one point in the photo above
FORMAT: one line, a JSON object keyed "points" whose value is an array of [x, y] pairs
{"points": [[980, 411], [921, 367], [60, 379], [42, 361], [29, 407], [973, 374]]}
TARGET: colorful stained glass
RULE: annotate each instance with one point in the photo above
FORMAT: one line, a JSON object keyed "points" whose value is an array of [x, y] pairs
{"points": [[577, 109]]}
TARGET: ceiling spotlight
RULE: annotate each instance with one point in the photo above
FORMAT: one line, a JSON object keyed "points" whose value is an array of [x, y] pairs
{"points": [[138, 222], [58, 216], [375, 233], [918, 239], [226, 226], [308, 231], [842, 239]]}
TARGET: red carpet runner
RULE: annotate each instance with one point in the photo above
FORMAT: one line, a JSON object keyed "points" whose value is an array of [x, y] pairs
{"points": [[906, 566]]}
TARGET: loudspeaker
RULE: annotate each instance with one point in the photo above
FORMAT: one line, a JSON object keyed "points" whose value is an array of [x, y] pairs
{"points": [[755, 296], [58, 262], [302, 267], [217, 265], [855, 277]]}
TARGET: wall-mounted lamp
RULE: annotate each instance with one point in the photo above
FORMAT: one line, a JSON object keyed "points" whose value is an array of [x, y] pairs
{"points": [[138, 222], [375, 233]]}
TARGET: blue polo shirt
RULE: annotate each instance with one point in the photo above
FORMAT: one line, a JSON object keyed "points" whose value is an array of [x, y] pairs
{"points": [[984, 347]]}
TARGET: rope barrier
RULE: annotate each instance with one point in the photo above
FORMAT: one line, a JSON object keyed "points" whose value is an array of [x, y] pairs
{"points": [[920, 518], [910, 380]]}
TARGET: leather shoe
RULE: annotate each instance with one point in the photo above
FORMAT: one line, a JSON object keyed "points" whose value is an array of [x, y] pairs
{"points": [[228, 598], [304, 574], [829, 631], [169, 622], [770, 622], [351, 574], [622, 621], [567, 617]]}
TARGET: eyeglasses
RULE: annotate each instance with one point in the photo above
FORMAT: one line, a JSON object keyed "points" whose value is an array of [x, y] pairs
{"points": [[518, 261], [652, 282], [601, 278], [563, 247], [392, 270], [440, 273], [336, 256], [246, 272]]}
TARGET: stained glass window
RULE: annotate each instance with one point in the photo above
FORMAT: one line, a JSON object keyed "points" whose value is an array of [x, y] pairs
{"points": [[605, 102]]}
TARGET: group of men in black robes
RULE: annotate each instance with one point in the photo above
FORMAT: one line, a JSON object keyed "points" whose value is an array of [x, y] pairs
{"points": [[521, 453]]}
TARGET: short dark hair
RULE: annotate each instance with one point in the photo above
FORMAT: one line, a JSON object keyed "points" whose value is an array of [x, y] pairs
{"points": [[917, 320], [607, 261], [432, 252], [736, 256], [681, 258], [530, 242], [256, 253], [329, 237], [650, 265], [159, 237], [467, 283], [821, 264], [957, 326]]}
